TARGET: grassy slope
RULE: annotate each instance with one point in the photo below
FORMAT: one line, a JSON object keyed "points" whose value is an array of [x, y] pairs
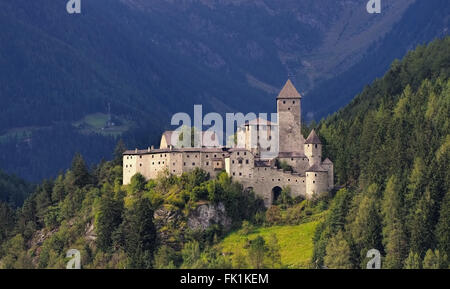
{"points": [[295, 242]]}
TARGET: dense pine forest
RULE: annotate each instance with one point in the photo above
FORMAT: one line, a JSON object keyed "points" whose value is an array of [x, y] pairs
{"points": [[391, 149]]}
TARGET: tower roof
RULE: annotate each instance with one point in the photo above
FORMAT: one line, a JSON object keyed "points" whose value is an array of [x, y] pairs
{"points": [[313, 138], [327, 161], [289, 91], [316, 168]]}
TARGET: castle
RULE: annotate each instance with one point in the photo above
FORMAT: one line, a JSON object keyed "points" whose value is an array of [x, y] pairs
{"points": [[306, 175]]}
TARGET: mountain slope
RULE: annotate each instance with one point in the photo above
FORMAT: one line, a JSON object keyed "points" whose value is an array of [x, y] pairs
{"points": [[141, 61], [390, 147]]}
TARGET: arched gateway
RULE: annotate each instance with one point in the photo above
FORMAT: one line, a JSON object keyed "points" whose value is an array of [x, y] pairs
{"points": [[276, 192]]}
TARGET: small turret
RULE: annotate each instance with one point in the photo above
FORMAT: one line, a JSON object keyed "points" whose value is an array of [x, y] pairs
{"points": [[316, 180], [313, 148], [328, 165]]}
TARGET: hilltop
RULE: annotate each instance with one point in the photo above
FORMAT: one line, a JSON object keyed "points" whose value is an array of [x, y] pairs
{"points": [[392, 150]]}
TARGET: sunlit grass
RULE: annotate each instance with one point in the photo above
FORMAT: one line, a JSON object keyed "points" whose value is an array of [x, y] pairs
{"points": [[296, 244]]}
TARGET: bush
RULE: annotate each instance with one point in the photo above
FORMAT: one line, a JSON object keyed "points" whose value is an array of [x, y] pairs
{"points": [[247, 228], [273, 215]]}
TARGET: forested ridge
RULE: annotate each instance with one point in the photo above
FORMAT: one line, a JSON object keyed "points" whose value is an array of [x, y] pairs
{"points": [[391, 151]]}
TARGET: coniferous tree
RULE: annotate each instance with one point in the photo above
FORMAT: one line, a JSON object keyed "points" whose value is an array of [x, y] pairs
{"points": [[421, 228], [7, 221], [80, 171], [443, 226], [394, 237], [118, 151], [338, 253], [413, 261], [366, 228], [140, 234], [431, 261], [415, 188], [108, 218]]}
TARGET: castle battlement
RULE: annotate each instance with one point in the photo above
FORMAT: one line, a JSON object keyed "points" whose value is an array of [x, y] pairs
{"points": [[309, 175]]}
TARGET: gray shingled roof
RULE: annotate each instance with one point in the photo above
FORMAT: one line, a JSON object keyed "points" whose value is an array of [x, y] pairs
{"points": [[316, 168], [289, 91], [157, 151], [291, 155], [313, 138]]}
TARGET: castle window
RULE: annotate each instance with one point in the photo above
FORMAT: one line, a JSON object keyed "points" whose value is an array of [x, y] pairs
{"points": [[314, 182], [240, 174], [289, 108], [289, 180], [215, 156], [315, 145], [279, 180], [140, 157], [153, 156], [207, 156], [293, 102], [207, 163], [159, 163], [273, 180], [232, 161], [195, 156], [153, 163], [126, 166], [246, 161], [234, 174], [163, 162], [284, 101], [315, 175], [160, 155], [173, 163], [165, 155], [184, 163], [245, 153], [173, 170], [131, 166], [187, 156], [223, 155], [303, 180], [140, 165], [240, 161], [193, 164]]}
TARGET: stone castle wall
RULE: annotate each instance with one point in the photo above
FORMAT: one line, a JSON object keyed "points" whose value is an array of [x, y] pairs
{"points": [[247, 165]]}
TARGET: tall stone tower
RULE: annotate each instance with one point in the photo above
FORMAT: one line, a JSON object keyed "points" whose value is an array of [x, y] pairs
{"points": [[289, 119]]}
